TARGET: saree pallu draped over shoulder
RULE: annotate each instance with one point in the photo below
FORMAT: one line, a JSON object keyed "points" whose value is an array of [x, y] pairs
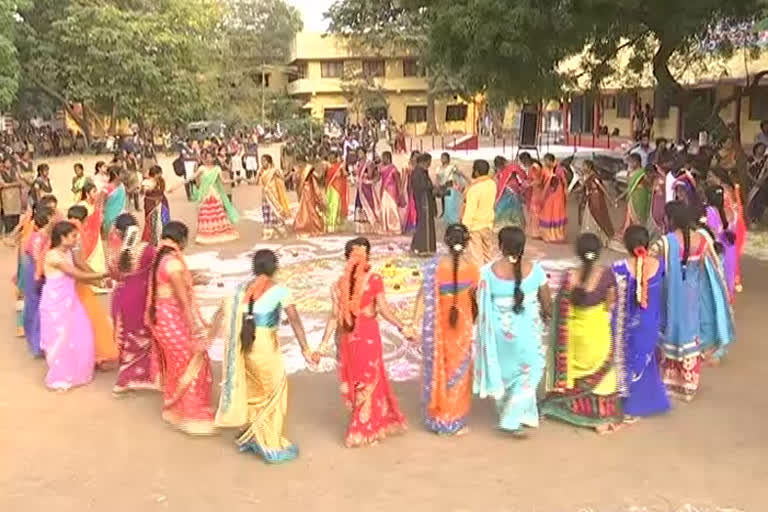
{"points": [[254, 393]]}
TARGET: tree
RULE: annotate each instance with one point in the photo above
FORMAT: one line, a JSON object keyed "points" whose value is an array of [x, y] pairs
{"points": [[256, 45], [516, 49], [141, 58], [381, 26], [362, 93], [9, 63]]}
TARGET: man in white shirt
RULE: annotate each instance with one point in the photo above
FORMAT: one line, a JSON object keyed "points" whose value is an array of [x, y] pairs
{"points": [[763, 135], [643, 150]]}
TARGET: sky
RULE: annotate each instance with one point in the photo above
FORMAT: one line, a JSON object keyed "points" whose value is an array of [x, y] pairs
{"points": [[312, 12]]}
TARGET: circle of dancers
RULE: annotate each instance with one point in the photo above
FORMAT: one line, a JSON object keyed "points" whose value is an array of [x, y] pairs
{"points": [[604, 347]]}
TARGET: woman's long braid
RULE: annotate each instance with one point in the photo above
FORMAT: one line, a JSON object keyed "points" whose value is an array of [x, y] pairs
{"points": [[686, 230], [453, 317], [519, 295], [352, 280], [588, 248], [155, 265]]}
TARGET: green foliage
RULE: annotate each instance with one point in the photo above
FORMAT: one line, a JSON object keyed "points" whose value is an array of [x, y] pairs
{"points": [[9, 64], [256, 38], [304, 135], [363, 93]]}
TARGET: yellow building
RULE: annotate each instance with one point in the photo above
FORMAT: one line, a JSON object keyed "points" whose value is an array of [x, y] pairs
{"points": [[713, 79], [324, 69]]}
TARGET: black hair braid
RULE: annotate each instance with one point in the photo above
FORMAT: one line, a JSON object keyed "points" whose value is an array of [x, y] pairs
{"points": [[588, 249], [519, 295], [248, 329], [351, 292], [124, 261], [155, 265], [686, 230], [453, 316]]}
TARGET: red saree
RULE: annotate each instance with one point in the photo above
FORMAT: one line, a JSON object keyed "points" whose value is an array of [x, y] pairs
{"points": [[186, 368], [364, 384]]}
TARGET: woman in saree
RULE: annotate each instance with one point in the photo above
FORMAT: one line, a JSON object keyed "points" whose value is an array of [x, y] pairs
{"points": [[174, 319], [100, 176], [335, 195], [553, 218], [585, 380], [65, 331], [114, 202], [90, 228], [254, 394], [367, 206], [595, 217], [638, 193], [698, 322], [639, 310], [105, 351], [452, 184], [447, 308], [358, 297], [408, 213], [513, 297], [734, 209], [510, 180], [657, 224], [216, 215], [720, 226], [274, 200], [309, 218], [130, 263], [391, 197], [157, 212], [33, 251]]}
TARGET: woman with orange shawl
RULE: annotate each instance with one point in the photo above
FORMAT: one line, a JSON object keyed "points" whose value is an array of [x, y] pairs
{"points": [[448, 308], [535, 195], [734, 209], [553, 218], [106, 353], [357, 299], [309, 218], [335, 195], [90, 228], [175, 321]]}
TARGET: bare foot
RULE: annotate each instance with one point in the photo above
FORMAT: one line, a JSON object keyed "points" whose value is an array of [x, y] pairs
{"points": [[463, 432]]}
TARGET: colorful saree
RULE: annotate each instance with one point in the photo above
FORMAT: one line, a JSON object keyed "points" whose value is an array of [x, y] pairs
{"points": [[65, 331], [114, 205], [186, 368], [553, 218], [690, 332], [738, 222], [586, 362], [215, 215], [309, 218], [157, 212], [32, 251], [364, 383], [139, 365], [646, 394], [509, 196], [90, 237], [657, 218], [254, 391], [367, 205], [729, 256], [639, 200], [274, 203], [447, 351], [510, 355], [20, 278], [391, 199], [536, 185], [408, 213], [595, 217], [335, 198]]}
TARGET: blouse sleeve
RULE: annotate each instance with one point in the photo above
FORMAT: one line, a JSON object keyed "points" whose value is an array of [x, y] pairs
{"points": [[288, 298], [171, 265], [376, 284], [539, 275]]}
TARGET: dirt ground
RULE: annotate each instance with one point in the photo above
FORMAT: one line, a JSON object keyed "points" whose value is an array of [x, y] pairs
{"points": [[84, 450]]}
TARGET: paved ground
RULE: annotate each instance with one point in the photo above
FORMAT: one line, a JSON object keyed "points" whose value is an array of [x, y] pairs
{"points": [[87, 451]]}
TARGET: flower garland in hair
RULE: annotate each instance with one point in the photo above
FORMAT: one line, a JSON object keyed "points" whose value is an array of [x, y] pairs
{"points": [[641, 294], [349, 303]]}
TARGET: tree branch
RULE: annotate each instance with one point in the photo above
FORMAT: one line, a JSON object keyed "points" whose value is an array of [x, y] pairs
{"points": [[612, 55], [752, 85]]}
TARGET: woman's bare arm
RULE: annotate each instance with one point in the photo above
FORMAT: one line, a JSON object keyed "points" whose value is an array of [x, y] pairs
{"points": [[384, 310], [545, 300]]}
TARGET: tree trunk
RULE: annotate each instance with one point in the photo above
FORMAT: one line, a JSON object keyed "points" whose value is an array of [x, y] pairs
{"points": [[263, 95], [79, 120], [431, 114], [113, 119]]}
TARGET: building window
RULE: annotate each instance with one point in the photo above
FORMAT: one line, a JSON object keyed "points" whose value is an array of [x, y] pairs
{"points": [[609, 102], [623, 105], [456, 113], [299, 72], [332, 69], [374, 68], [758, 104], [264, 77], [415, 114], [660, 105], [411, 67]]}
